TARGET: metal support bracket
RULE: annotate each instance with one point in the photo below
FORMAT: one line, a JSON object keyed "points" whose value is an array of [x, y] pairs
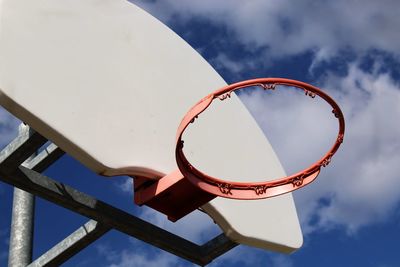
{"points": [[31, 180]]}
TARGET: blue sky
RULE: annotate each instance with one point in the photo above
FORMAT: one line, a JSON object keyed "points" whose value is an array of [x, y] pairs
{"points": [[350, 216]]}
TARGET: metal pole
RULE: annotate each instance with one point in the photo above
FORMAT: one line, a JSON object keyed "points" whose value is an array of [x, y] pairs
{"points": [[21, 233]]}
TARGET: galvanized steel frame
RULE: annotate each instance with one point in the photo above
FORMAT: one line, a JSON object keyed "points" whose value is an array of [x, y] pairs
{"points": [[103, 217]]}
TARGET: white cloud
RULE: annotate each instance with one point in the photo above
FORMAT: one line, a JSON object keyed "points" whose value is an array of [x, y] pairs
{"points": [[137, 254], [292, 27], [128, 259], [360, 186], [138, 257], [222, 60], [281, 261], [364, 182], [249, 256], [143, 255], [126, 185]]}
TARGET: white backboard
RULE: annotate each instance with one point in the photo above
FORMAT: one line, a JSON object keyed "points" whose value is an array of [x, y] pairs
{"points": [[109, 84]]}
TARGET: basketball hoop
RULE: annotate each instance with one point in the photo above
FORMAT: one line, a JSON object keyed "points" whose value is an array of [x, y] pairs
{"points": [[256, 190]]}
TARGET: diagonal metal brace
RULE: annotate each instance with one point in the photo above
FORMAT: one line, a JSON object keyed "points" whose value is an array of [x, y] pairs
{"points": [[71, 245], [20, 149], [45, 158], [105, 214]]}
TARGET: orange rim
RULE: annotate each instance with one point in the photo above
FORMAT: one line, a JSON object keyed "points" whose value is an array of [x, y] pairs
{"points": [[255, 190]]}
